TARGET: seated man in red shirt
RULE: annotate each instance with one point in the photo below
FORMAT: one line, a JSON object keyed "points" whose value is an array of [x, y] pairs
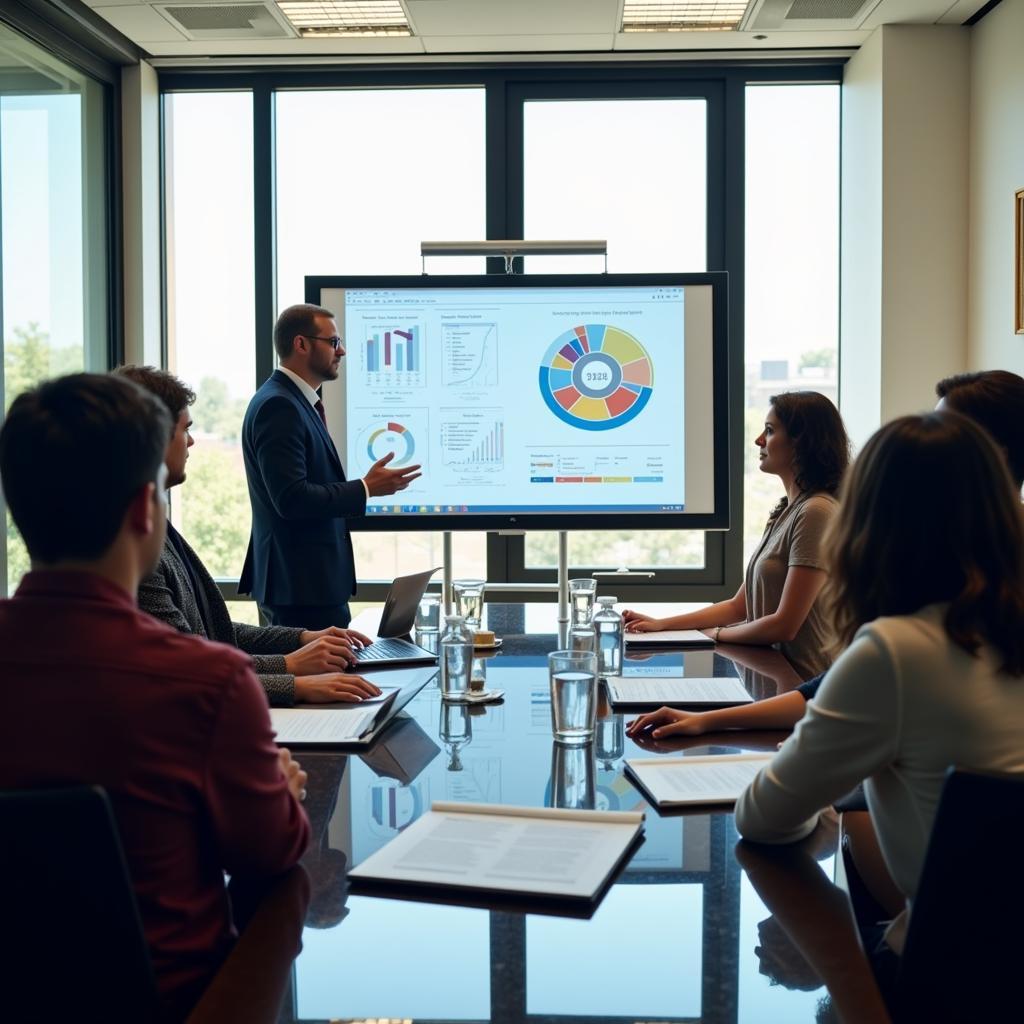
{"points": [[175, 728]]}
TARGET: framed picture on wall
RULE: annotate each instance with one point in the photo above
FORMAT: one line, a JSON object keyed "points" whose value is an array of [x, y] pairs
{"points": [[1018, 262]]}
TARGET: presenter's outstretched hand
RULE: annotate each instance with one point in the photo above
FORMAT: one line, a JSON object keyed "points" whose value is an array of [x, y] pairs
{"points": [[353, 637], [324, 654], [668, 722], [381, 480], [637, 622], [293, 773], [333, 688]]}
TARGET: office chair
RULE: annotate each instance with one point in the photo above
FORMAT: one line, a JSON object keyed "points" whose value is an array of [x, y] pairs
{"points": [[73, 946], [964, 946]]}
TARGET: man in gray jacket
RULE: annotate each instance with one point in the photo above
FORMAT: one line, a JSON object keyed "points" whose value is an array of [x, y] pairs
{"points": [[292, 664]]}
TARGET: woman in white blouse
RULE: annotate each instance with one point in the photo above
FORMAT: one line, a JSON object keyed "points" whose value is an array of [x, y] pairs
{"points": [[926, 592]]}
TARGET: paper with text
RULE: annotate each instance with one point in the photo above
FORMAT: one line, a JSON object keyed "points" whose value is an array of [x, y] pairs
{"points": [[669, 638], [515, 853], [681, 781], [720, 691], [331, 725]]}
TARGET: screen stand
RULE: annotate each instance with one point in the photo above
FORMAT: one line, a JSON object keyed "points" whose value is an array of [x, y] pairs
{"points": [[446, 585], [563, 577]]}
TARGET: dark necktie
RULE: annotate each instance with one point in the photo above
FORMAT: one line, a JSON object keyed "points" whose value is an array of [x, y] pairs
{"points": [[320, 412]]}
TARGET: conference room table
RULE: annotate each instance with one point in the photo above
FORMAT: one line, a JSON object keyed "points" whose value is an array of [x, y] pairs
{"points": [[683, 934]]}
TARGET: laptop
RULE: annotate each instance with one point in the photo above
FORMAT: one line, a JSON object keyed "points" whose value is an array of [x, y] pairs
{"points": [[393, 644]]}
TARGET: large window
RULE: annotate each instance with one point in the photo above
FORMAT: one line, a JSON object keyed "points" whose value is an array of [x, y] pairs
{"points": [[208, 216], [792, 264], [383, 169], [320, 172], [632, 172], [53, 232]]}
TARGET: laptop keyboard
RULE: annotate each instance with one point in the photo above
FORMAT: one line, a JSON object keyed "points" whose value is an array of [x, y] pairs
{"points": [[387, 647]]}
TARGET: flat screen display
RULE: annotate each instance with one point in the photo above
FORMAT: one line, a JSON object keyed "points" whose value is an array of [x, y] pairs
{"points": [[552, 402]]}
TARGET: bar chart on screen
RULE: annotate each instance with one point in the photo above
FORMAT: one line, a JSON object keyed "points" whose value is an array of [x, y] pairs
{"points": [[473, 438], [393, 357]]}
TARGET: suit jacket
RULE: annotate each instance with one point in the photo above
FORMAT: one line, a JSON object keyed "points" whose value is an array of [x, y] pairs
{"points": [[299, 552], [168, 595]]}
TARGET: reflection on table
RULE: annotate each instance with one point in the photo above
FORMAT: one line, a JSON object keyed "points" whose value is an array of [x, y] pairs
{"points": [[681, 935]]}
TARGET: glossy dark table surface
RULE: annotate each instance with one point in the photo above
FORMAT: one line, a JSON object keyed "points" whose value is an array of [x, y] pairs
{"points": [[681, 936]]}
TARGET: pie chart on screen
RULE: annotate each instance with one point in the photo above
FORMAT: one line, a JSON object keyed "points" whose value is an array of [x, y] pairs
{"points": [[596, 377], [391, 437]]}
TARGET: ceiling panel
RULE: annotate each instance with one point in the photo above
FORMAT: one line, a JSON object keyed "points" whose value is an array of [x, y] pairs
{"points": [[141, 24], [518, 18], [705, 41], [520, 44]]}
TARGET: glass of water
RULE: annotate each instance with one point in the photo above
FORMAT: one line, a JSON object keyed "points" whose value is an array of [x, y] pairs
{"points": [[573, 677], [581, 598], [469, 600]]}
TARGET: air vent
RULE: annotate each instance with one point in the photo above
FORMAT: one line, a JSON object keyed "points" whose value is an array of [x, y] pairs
{"points": [[806, 15], [227, 21], [823, 10]]}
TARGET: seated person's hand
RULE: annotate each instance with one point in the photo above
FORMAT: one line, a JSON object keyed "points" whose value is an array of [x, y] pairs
{"points": [[333, 688], [667, 722], [354, 638], [637, 622], [324, 654], [293, 773]]}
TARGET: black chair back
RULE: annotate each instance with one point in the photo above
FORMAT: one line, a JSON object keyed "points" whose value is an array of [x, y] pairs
{"points": [[73, 943], [965, 944]]}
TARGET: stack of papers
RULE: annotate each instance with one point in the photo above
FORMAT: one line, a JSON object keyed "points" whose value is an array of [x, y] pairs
{"points": [[677, 691], [484, 849], [333, 725], [669, 638], [689, 781]]}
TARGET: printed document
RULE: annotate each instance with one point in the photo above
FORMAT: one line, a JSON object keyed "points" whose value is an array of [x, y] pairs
{"points": [[678, 691], [536, 851], [711, 779], [669, 638]]}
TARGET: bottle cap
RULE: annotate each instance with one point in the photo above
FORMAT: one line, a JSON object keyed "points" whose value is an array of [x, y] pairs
{"points": [[607, 601]]}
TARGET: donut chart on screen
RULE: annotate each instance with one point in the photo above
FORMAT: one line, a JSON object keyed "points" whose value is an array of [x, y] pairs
{"points": [[596, 377], [391, 437]]}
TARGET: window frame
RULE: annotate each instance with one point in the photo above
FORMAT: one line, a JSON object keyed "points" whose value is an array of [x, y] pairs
{"points": [[721, 83]]}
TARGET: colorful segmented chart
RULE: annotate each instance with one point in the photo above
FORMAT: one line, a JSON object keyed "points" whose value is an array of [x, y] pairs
{"points": [[596, 377], [392, 437]]}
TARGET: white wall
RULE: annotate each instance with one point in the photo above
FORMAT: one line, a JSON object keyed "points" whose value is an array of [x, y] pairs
{"points": [[904, 221], [997, 172]]}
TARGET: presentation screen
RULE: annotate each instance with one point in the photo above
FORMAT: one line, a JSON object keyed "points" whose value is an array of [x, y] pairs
{"points": [[555, 402]]}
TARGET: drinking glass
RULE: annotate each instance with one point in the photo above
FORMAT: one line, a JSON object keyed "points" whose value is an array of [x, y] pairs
{"points": [[428, 614], [581, 598], [469, 600], [573, 677]]}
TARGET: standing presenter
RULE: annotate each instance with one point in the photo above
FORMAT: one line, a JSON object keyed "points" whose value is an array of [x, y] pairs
{"points": [[299, 566]]}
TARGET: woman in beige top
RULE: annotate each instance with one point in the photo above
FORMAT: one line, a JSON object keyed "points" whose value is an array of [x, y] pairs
{"points": [[803, 443]]}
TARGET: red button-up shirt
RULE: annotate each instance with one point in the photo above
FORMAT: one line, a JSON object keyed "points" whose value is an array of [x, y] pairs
{"points": [[175, 728]]}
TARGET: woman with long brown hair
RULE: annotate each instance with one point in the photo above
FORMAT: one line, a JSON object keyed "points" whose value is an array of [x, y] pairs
{"points": [[804, 443], [926, 594]]}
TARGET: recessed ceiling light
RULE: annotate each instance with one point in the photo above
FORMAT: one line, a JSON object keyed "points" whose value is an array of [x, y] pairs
{"points": [[346, 17], [682, 15]]}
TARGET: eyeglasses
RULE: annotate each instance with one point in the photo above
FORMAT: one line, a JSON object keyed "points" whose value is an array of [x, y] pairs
{"points": [[334, 341]]}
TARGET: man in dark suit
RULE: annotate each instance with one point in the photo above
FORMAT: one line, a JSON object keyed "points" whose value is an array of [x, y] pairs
{"points": [[299, 565], [292, 664]]}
